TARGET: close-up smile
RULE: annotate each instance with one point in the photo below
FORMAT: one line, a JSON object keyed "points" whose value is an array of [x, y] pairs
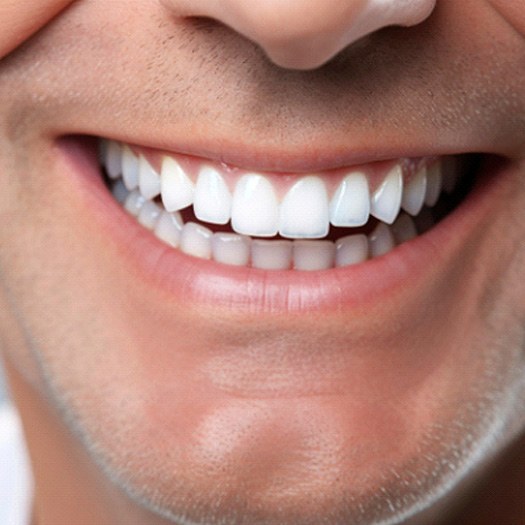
{"points": [[184, 205], [262, 262], [313, 231]]}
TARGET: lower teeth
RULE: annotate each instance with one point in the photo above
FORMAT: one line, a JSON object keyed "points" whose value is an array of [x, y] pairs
{"points": [[343, 247]]}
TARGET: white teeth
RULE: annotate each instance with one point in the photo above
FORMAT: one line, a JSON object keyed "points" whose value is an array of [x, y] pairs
{"points": [[403, 229], [196, 240], [169, 228], [381, 240], [305, 213], [119, 191], [414, 193], [130, 168], [255, 210], [386, 200], [304, 210], [271, 255], [176, 188], [149, 214], [113, 159], [350, 205], [230, 248], [434, 184], [352, 249], [212, 200], [313, 255], [134, 203], [149, 179]]}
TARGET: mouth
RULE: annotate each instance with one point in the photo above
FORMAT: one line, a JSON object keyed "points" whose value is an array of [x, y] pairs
{"points": [[205, 231], [283, 221]]}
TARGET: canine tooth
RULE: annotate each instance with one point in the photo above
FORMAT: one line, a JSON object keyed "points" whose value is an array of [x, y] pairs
{"points": [[176, 188], [119, 191], [304, 210], [130, 168], [352, 249], [134, 203], [381, 240], [230, 248], [196, 240], [386, 200], [403, 229], [350, 205], [113, 159], [313, 255], [434, 184], [212, 200], [149, 179], [255, 210], [149, 214], [414, 193], [271, 255], [169, 228]]}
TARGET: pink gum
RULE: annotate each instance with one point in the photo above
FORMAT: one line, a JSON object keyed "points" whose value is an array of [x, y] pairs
{"points": [[282, 182]]}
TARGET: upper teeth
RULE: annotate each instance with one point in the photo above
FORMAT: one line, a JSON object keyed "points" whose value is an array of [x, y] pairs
{"points": [[305, 211]]}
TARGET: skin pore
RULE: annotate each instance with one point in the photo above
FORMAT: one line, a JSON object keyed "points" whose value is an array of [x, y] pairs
{"points": [[144, 403]]}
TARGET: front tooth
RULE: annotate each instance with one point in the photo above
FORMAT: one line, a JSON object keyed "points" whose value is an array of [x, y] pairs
{"points": [[230, 248], [313, 255], [255, 210], [350, 205], [271, 255], [403, 229], [113, 159], [352, 249], [434, 184], [381, 240], [386, 200], [196, 240], [169, 228], [149, 214], [414, 193], [130, 168], [212, 200], [134, 203], [304, 210], [175, 186], [149, 179]]}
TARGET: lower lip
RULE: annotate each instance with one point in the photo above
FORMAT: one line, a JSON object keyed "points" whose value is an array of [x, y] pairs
{"points": [[203, 282]]}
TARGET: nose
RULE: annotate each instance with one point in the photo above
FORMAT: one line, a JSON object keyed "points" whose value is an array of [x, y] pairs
{"points": [[304, 34]]}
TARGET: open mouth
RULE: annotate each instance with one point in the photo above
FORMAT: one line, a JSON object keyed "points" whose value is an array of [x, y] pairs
{"points": [[290, 221]]}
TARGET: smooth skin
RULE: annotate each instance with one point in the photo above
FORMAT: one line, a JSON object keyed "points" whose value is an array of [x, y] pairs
{"points": [[140, 406]]}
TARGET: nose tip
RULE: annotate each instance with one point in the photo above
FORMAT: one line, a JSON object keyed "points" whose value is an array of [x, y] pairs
{"points": [[305, 34]]}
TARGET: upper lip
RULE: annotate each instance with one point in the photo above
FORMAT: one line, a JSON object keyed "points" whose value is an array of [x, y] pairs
{"points": [[282, 159]]}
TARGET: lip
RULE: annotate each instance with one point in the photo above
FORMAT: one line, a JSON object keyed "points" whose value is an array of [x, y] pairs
{"points": [[194, 281]]}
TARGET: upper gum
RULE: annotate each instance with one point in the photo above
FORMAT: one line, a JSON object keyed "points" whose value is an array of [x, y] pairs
{"points": [[282, 182]]}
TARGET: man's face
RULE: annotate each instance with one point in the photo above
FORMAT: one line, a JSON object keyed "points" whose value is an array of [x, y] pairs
{"points": [[218, 393]]}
